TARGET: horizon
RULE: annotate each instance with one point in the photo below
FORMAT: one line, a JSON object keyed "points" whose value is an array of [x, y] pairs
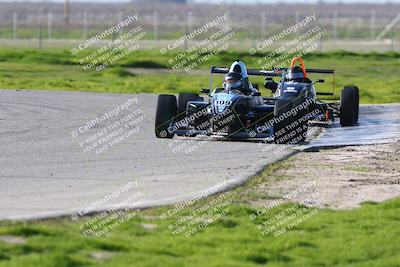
{"points": [[227, 1]]}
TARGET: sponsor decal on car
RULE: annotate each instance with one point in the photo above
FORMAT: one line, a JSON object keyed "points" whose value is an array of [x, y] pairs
{"points": [[221, 102]]}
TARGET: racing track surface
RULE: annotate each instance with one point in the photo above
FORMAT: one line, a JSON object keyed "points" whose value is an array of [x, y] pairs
{"points": [[377, 124], [45, 172]]}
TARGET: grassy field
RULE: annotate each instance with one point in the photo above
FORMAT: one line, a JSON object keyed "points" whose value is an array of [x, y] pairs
{"points": [[55, 69], [367, 236]]}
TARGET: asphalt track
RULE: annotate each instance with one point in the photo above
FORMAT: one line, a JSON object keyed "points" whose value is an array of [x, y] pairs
{"points": [[45, 172], [377, 124], [50, 167]]}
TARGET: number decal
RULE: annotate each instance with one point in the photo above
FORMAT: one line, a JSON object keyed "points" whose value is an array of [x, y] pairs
{"points": [[222, 102]]}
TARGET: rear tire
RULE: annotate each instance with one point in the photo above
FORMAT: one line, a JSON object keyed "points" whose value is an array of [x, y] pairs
{"points": [[166, 111], [349, 106]]}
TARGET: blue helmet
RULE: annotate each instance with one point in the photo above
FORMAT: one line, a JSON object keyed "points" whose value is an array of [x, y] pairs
{"points": [[233, 81]]}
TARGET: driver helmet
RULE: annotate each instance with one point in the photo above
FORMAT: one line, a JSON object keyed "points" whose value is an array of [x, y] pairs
{"points": [[233, 81], [237, 69], [295, 74]]}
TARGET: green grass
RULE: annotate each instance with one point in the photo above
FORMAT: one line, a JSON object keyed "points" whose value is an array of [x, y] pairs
{"points": [[56, 69], [367, 236]]}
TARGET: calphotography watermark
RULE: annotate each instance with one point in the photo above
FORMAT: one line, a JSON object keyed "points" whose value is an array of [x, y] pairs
{"points": [[276, 37], [109, 212], [110, 128], [297, 40], [294, 126], [105, 34], [111, 50], [200, 45], [200, 217], [200, 123], [277, 223]]}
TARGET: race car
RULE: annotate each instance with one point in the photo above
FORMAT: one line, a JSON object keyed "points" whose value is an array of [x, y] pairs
{"points": [[238, 111]]}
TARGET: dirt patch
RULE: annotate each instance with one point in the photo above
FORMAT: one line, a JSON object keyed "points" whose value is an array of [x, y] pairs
{"points": [[14, 240], [149, 226], [101, 255], [341, 178]]}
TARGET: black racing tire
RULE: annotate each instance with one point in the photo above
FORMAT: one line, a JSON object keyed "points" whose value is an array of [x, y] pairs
{"points": [[298, 132], [166, 111], [357, 102], [281, 106], [349, 106], [184, 98]]}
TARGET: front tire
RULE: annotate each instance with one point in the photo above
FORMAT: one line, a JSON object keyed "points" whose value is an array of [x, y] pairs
{"points": [[291, 130], [349, 106], [166, 111], [183, 99]]}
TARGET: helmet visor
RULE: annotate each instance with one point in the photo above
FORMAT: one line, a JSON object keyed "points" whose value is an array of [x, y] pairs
{"points": [[295, 75], [232, 84]]}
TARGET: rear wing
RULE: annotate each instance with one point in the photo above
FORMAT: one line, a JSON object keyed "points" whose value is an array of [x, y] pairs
{"points": [[277, 72], [321, 71], [254, 72], [269, 73]]}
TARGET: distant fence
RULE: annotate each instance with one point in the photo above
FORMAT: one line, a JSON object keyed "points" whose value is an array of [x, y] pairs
{"points": [[167, 26], [166, 22]]}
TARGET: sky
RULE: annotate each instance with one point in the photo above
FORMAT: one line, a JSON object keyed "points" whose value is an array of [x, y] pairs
{"points": [[232, 1]]}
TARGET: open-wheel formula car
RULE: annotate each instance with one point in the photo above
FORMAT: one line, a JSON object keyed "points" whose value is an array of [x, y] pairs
{"points": [[238, 111]]}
